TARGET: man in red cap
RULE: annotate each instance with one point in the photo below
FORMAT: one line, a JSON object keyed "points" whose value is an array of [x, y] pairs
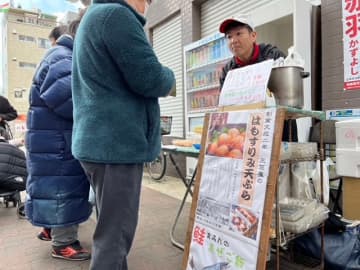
{"points": [[241, 37]]}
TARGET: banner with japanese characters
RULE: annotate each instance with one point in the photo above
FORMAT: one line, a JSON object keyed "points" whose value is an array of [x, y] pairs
{"points": [[228, 216], [351, 27]]}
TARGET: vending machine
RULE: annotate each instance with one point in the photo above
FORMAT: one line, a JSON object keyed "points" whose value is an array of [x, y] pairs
{"points": [[204, 60]]}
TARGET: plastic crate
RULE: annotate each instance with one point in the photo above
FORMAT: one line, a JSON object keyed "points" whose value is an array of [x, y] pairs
{"points": [[165, 124]]}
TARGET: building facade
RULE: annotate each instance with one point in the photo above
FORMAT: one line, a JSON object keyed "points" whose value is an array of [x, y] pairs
{"points": [[24, 43]]}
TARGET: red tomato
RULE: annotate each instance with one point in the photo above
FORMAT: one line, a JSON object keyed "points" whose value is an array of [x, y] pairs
{"points": [[212, 148], [224, 138], [222, 150]]}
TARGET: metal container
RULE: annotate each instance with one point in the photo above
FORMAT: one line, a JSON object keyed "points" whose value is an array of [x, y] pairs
{"points": [[286, 83]]}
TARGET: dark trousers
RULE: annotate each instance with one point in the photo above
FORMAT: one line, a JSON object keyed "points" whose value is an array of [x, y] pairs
{"points": [[117, 194], [64, 236]]}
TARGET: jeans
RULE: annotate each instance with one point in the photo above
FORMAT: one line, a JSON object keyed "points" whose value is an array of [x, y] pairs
{"points": [[64, 236]]}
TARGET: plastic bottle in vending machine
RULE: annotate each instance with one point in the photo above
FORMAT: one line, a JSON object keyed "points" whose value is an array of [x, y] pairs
{"points": [[223, 47], [191, 59], [208, 77], [198, 57], [193, 80], [188, 60], [196, 61], [199, 79], [213, 51], [196, 80], [207, 54], [218, 49], [193, 105], [215, 77], [202, 78], [202, 55]]}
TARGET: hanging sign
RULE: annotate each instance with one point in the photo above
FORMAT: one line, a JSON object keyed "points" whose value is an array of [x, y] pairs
{"points": [[246, 85]]}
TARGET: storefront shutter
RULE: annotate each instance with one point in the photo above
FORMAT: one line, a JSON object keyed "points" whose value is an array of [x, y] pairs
{"points": [[213, 12], [168, 47]]}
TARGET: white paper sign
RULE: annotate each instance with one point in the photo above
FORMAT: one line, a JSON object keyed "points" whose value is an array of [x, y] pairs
{"points": [[246, 85]]}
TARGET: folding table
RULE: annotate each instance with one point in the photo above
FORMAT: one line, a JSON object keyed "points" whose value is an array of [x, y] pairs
{"points": [[172, 151]]}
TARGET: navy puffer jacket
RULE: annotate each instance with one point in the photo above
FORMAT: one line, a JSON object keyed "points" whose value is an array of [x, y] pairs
{"points": [[57, 188]]}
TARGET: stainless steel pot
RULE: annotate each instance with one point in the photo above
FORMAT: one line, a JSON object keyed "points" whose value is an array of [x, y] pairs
{"points": [[287, 85]]}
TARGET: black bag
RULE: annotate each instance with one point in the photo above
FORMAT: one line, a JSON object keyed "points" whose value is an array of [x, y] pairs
{"points": [[342, 245], [13, 183], [5, 131]]}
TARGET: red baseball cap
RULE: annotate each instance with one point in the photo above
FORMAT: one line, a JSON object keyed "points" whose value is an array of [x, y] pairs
{"points": [[243, 18]]}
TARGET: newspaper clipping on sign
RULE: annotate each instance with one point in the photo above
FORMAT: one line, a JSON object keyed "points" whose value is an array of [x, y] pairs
{"points": [[235, 170], [246, 85]]}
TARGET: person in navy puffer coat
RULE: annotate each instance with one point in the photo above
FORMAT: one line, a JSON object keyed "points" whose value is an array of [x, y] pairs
{"points": [[57, 188]]}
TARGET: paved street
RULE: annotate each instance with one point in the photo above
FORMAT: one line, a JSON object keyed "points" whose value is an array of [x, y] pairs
{"points": [[152, 249]]}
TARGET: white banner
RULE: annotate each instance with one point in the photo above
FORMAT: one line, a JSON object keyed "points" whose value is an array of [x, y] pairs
{"points": [[351, 28], [246, 85]]}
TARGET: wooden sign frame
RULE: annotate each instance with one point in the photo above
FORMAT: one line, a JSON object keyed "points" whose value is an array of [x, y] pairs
{"points": [[270, 191]]}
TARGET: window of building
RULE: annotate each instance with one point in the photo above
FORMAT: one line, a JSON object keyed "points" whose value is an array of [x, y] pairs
{"points": [[27, 65], [26, 38], [44, 43], [46, 23], [31, 20], [19, 92]]}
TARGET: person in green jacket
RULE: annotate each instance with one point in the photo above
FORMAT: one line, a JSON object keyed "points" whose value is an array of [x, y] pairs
{"points": [[117, 80]]}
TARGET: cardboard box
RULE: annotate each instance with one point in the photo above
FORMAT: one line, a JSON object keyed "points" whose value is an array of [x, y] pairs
{"points": [[351, 198], [348, 134]]}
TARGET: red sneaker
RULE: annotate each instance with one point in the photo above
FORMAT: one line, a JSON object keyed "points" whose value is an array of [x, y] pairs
{"points": [[45, 234], [73, 252]]}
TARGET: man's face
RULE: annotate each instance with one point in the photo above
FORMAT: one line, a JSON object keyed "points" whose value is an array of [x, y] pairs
{"points": [[241, 41], [140, 6]]}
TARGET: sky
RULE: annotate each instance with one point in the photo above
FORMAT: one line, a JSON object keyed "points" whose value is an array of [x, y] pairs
{"points": [[53, 7]]}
